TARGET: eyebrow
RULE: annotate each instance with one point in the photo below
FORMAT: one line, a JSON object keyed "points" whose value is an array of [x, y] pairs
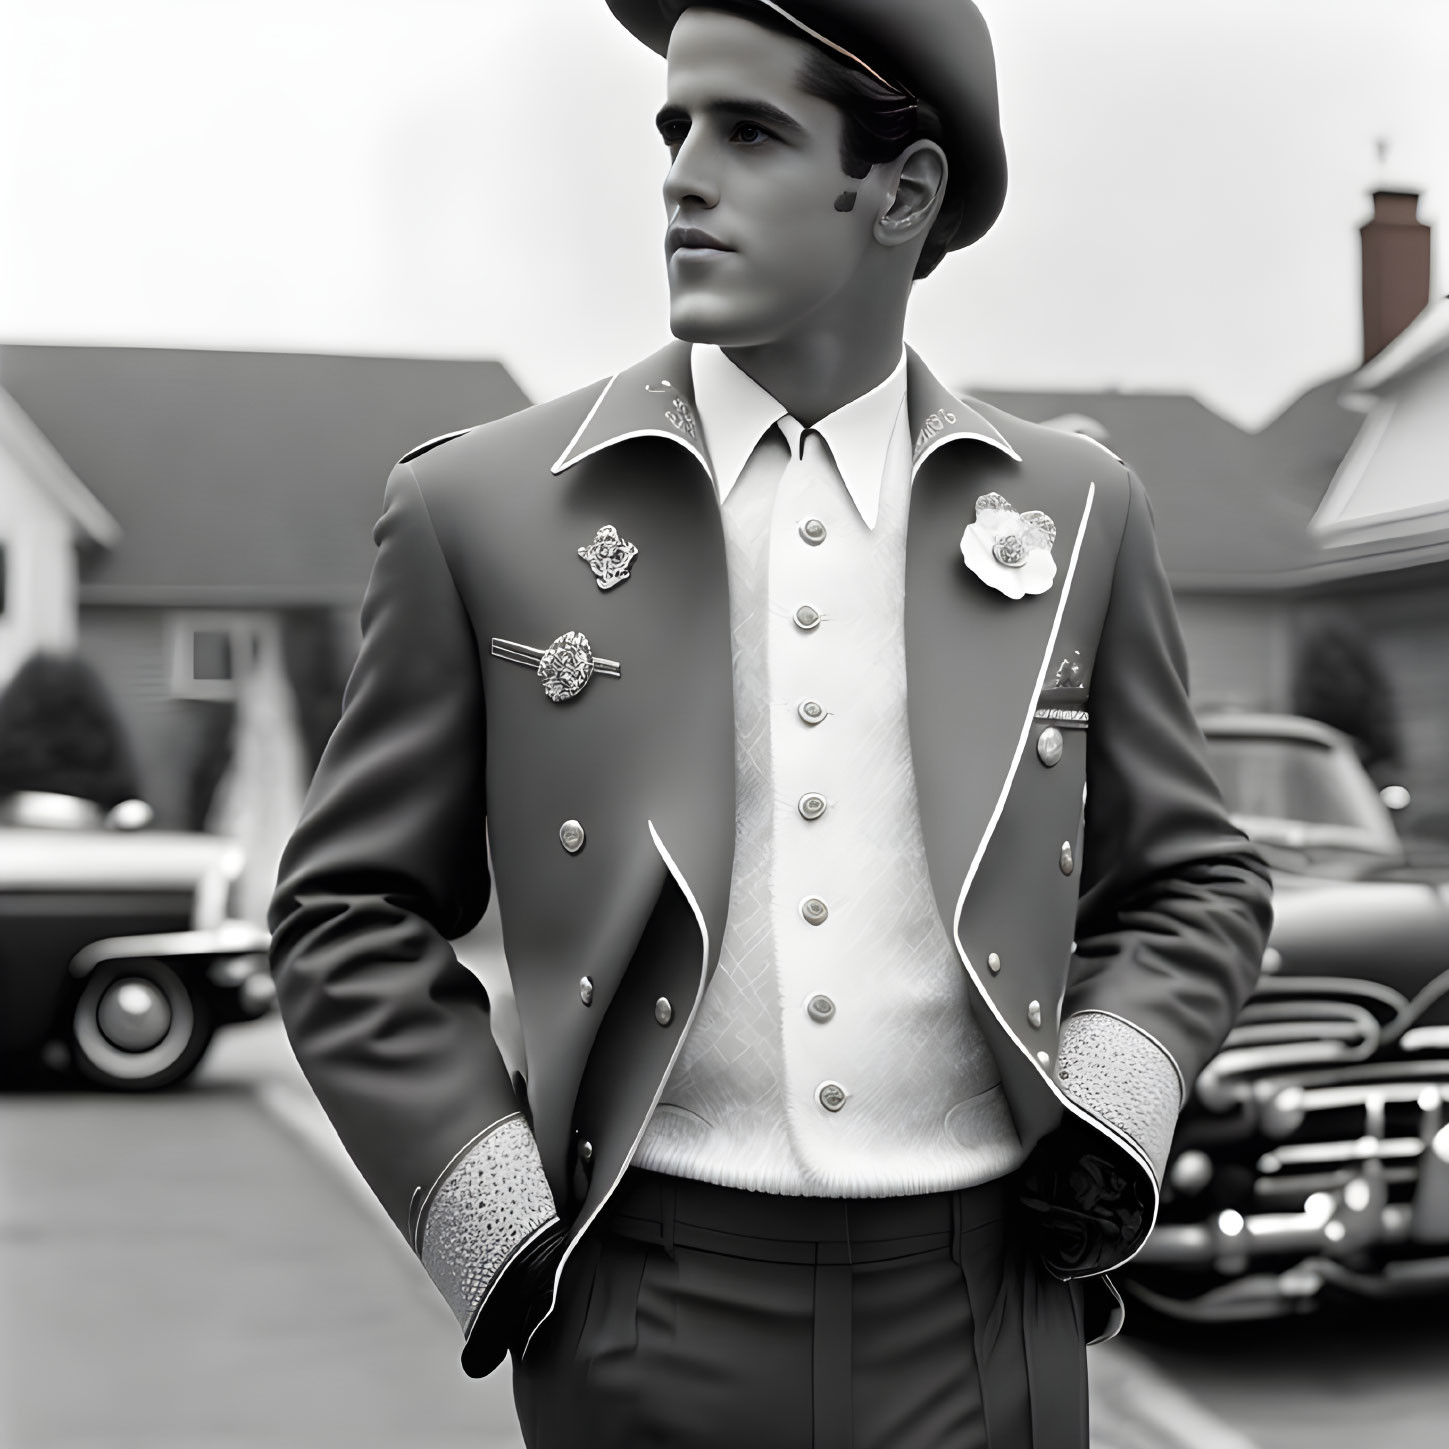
{"points": [[754, 110]]}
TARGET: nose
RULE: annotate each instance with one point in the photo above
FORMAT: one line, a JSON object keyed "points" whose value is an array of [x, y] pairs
{"points": [[690, 182]]}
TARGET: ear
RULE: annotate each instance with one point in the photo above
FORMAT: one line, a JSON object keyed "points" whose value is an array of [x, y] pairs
{"points": [[914, 194]]}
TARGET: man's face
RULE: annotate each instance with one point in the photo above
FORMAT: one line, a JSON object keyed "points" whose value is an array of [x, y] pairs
{"points": [[756, 242]]}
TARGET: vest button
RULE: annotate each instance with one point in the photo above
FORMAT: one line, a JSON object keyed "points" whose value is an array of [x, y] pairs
{"points": [[806, 617], [814, 910], [663, 1011], [812, 531], [586, 1151], [1049, 746], [831, 1096], [812, 806], [571, 836], [1066, 862], [1045, 1058], [993, 962], [1033, 1013], [586, 990], [820, 1008]]}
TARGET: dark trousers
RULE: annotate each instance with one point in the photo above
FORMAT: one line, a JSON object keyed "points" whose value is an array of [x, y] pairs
{"points": [[702, 1317]]}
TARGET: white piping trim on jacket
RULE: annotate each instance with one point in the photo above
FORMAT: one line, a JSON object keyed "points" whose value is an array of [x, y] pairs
{"points": [[1123, 1141], [559, 465], [1030, 719], [453, 1161], [998, 443], [577, 1236], [609, 442], [1181, 1080], [498, 1272]]}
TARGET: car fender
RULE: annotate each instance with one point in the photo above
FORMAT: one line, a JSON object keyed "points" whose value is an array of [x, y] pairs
{"points": [[227, 938]]}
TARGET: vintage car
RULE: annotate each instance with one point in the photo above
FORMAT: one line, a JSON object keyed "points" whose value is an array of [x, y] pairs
{"points": [[1313, 1159], [118, 959]]}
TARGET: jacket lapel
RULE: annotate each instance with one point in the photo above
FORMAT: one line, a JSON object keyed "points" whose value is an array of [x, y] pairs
{"points": [[652, 399], [680, 662], [975, 659]]}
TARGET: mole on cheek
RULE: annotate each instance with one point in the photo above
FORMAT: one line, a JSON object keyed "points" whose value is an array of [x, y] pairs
{"points": [[845, 201]]}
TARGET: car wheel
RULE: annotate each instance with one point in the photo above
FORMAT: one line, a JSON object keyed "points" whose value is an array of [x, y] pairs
{"points": [[137, 1027]]}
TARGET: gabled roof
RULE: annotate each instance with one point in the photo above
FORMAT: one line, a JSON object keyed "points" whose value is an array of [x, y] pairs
{"points": [[241, 478], [29, 447], [1306, 442], [1222, 524], [1390, 494], [1424, 338]]}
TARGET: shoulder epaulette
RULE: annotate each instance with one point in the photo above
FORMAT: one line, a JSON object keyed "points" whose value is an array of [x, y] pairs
{"points": [[432, 443]]}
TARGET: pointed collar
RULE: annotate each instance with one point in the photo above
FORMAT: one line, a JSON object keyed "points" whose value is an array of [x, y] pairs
{"points": [[655, 398], [735, 412], [939, 417], [652, 399]]}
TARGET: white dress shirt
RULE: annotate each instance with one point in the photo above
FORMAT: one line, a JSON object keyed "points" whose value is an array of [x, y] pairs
{"points": [[834, 1053]]}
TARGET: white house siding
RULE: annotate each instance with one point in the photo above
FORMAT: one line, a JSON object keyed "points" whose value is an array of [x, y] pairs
{"points": [[40, 567], [1239, 649]]}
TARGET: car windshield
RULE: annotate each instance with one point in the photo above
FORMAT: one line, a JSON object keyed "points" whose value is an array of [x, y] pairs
{"points": [[1300, 792]]}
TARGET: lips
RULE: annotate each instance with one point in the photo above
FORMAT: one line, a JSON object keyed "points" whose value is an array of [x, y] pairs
{"points": [[692, 238]]}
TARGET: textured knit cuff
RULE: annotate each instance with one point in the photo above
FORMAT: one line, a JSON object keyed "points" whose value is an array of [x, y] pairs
{"points": [[1119, 1074], [489, 1202]]}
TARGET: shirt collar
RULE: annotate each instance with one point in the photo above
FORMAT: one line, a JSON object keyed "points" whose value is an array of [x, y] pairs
{"points": [[735, 412], [654, 398]]}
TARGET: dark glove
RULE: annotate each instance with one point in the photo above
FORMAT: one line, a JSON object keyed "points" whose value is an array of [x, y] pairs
{"points": [[517, 1303], [1083, 1208]]}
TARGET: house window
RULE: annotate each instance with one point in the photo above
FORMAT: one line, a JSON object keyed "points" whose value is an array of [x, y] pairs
{"points": [[207, 652]]}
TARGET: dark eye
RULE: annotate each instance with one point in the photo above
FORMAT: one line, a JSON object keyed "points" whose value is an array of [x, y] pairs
{"points": [[749, 134], [674, 132]]}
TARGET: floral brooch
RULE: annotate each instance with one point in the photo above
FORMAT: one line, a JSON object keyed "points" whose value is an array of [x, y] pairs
{"points": [[1011, 551]]}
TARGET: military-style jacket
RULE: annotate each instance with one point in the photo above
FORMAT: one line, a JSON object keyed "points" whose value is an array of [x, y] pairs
{"points": [[1109, 918]]}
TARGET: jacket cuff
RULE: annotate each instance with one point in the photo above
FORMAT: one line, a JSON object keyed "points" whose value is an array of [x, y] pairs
{"points": [[487, 1204], [1119, 1074]]}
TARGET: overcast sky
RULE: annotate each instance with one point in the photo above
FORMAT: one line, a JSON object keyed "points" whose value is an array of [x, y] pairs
{"points": [[481, 177]]}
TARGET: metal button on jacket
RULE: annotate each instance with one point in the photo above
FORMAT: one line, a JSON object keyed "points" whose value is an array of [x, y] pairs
{"points": [[806, 617], [663, 1011], [812, 530], [820, 1008], [586, 990], [571, 836], [1066, 861], [812, 806], [1033, 1013], [1044, 1058], [1049, 745], [814, 910], [831, 1096], [811, 711], [586, 1151], [994, 962]]}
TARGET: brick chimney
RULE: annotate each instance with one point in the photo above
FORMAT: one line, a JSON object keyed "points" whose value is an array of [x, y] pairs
{"points": [[1395, 268]]}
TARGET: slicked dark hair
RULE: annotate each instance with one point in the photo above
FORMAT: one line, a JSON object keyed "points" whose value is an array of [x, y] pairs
{"points": [[879, 122]]}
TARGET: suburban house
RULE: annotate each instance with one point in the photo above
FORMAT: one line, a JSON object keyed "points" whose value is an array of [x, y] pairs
{"points": [[198, 524], [49, 520], [1330, 525]]}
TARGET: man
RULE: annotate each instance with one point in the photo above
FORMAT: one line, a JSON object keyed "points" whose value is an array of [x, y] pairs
{"points": [[868, 902]]}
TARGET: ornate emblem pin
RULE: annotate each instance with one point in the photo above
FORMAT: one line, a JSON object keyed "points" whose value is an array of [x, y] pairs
{"points": [[609, 556], [1011, 551], [565, 667]]}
